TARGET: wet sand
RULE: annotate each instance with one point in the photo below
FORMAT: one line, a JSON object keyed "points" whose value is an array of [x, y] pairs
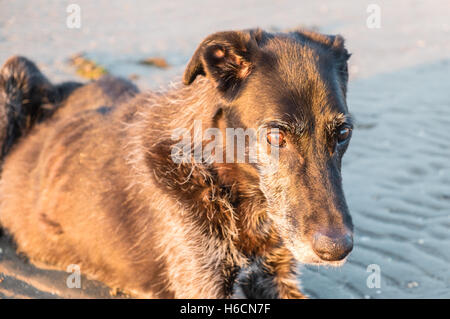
{"points": [[396, 171]]}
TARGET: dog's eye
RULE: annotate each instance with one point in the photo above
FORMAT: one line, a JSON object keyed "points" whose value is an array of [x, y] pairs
{"points": [[344, 134], [276, 138]]}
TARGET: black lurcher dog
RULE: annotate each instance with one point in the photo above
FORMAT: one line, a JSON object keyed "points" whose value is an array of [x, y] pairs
{"points": [[100, 187]]}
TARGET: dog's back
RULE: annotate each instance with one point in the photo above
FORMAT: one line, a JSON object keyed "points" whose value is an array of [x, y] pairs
{"points": [[107, 92], [27, 98], [59, 165]]}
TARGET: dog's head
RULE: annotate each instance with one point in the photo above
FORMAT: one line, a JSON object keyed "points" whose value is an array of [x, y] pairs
{"points": [[294, 86]]}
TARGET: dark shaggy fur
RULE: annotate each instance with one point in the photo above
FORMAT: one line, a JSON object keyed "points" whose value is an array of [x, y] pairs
{"points": [[26, 98], [99, 188]]}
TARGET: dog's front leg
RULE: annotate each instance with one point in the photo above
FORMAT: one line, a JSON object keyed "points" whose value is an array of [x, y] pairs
{"points": [[271, 276]]}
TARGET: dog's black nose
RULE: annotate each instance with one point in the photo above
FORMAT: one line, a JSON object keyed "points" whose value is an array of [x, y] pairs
{"points": [[332, 247]]}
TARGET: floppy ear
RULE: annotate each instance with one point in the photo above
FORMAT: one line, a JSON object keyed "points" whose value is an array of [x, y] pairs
{"points": [[341, 55], [226, 58]]}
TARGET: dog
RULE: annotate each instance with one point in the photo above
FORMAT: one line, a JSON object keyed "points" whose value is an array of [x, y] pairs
{"points": [[95, 183]]}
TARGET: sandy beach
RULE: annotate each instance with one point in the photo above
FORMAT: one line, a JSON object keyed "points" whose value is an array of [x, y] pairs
{"points": [[396, 171]]}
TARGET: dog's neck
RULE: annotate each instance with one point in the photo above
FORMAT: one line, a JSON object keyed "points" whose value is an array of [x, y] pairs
{"points": [[222, 197]]}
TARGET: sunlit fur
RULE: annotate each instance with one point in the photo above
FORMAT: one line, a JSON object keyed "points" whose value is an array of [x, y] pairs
{"points": [[95, 185]]}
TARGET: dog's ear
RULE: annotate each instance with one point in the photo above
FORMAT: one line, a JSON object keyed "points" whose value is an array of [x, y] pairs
{"points": [[339, 50], [342, 56], [226, 58]]}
